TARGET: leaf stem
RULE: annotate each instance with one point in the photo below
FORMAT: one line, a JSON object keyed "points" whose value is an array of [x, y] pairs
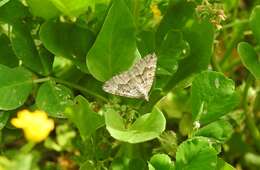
{"points": [[215, 64], [237, 32], [72, 85], [78, 87], [232, 24], [250, 123], [41, 80], [28, 147]]}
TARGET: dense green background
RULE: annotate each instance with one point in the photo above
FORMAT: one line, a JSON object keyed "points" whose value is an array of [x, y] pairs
{"points": [[203, 111]]}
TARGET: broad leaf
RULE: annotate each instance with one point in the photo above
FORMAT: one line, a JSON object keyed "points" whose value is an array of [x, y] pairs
{"points": [[4, 117], [26, 51], [249, 58], [146, 127], [57, 37], [200, 36], [114, 48], [53, 98], [146, 42], [213, 95], [196, 154], [15, 86], [7, 56], [177, 15], [73, 8], [86, 120], [255, 22], [161, 162], [44, 9], [219, 130], [173, 48], [222, 165], [13, 11]]}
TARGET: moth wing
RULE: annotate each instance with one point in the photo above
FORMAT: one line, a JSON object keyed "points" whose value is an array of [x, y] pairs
{"points": [[135, 83], [144, 72], [122, 85]]}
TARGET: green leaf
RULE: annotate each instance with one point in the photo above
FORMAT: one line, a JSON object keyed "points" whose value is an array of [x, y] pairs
{"points": [[213, 95], [44, 9], [86, 120], [15, 86], [13, 11], [161, 162], [196, 154], [173, 48], [4, 117], [7, 56], [114, 48], [88, 165], [219, 130], [2, 2], [93, 86], [249, 58], [176, 16], [222, 165], [73, 8], [26, 51], [255, 22], [146, 127], [146, 42], [53, 98], [137, 163], [57, 37]]}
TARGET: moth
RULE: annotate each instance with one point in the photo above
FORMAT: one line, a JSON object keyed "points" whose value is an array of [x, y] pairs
{"points": [[135, 82]]}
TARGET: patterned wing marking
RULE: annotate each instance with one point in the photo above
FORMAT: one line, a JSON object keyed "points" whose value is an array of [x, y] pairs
{"points": [[136, 82]]}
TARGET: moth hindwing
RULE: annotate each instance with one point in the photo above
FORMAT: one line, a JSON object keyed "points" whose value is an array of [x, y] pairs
{"points": [[136, 82]]}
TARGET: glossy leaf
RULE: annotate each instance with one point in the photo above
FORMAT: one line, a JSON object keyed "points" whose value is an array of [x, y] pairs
{"points": [[26, 51], [213, 95], [44, 9], [4, 117], [196, 154], [200, 37], [222, 165], [13, 11], [161, 162], [15, 86], [146, 42], [198, 34], [173, 48], [114, 48], [220, 131], [146, 127], [73, 8], [7, 56], [86, 120], [249, 58], [255, 22], [57, 37], [53, 98], [176, 16]]}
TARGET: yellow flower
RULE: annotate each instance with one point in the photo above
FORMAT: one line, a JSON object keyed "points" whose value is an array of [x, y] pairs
{"points": [[36, 125], [157, 16]]}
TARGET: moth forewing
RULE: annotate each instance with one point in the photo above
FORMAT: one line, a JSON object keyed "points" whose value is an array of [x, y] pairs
{"points": [[136, 82]]}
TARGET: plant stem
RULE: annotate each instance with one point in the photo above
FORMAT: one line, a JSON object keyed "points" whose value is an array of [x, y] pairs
{"points": [[232, 24], [75, 86], [28, 147], [41, 80], [250, 123], [72, 85], [237, 32], [214, 64]]}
